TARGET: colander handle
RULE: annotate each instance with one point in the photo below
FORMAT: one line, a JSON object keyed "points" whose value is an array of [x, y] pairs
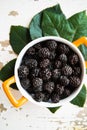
{"points": [[80, 41], [6, 87]]}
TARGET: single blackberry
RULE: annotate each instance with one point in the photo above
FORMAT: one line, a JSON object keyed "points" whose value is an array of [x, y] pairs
{"points": [[66, 93], [75, 81], [55, 97], [45, 74], [25, 83], [37, 46], [44, 52], [77, 71], [44, 63], [23, 71], [31, 51], [62, 48], [64, 80], [31, 63], [58, 64], [67, 70], [59, 89], [73, 59], [46, 97], [34, 72], [52, 55], [39, 96], [56, 73], [37, 82], [63, 58], [49, 87], [51, 44]]}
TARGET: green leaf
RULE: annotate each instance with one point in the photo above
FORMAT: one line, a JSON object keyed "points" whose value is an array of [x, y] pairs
{"points": [[79, 24], [19, 37], [83, 50], [80, 99], [8, 70], [35, 27], [56, 24], [54, 109]]}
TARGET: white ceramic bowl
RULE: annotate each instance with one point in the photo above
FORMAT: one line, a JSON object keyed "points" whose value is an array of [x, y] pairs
{"points": [[18, 62]]}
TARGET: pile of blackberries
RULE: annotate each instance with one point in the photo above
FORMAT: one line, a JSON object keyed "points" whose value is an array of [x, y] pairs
{"points": [[50, 71]]}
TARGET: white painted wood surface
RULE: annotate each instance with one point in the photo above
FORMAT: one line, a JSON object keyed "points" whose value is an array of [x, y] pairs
{"points": [[30, 116]]}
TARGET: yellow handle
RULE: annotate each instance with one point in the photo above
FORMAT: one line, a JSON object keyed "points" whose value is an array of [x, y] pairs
{"points": [[78, 42], [6, 87]]}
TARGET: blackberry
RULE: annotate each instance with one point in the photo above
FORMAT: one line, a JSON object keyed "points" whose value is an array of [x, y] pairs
{"points": [[25, 83], [31, 63], [67, 70], [62, 48], [44, 63], [77, 71], [66, 93], [37, 46], [44, 52], [59, 89], [64, 80], [58, 64], [37, 82], [56, 73], [51, 44], [34, 72], [52, 55], [45, 74], [31, 51], [49, 87], [75, 81], [63, 58], [46, 97], [73, 59], [23, 71], [55, 97], [39, 96]]}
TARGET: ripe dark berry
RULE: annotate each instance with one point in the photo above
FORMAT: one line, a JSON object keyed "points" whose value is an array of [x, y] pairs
{"points": [[59, 89], [23, 71], [75, 81], [64, 80], [25, 83], [39, 96], [31, 63], [52, 55], [62, 48], [37, 82], [44, 63], [49, 87], [55, 98], [45, 74], [58, 64], [67, 70], [56, 73], [77, 71], [31, 51], [44, 52], [66, 93], [37, 46], [46, 97], [73, 59], [63, 58], [34, 72], [52, 45]]}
